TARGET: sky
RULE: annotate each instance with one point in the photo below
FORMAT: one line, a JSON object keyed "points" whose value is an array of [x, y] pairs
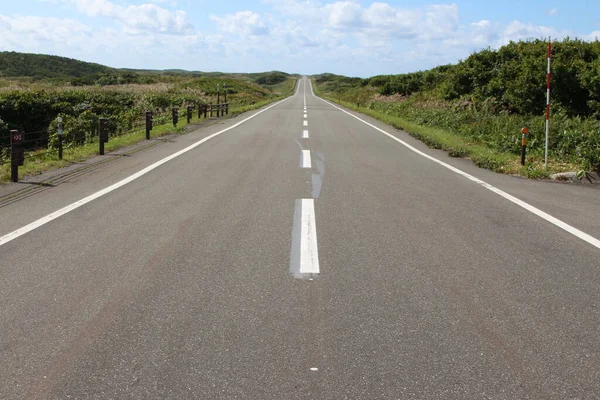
{"points": [[347, 37]]}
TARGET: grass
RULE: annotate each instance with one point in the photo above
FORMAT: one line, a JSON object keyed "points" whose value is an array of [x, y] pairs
{"points": [[38, 162], [459, 146]]}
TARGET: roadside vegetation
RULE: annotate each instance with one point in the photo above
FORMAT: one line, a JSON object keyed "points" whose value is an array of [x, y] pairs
{"points": [[476, 108], [33, 104]]}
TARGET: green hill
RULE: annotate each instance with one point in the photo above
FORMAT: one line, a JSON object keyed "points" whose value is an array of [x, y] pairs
{"points": [[513, 78], [488, 97], [39, 66]]}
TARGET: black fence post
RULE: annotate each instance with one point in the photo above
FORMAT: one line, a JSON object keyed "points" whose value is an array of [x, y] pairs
{"points": [[175, 116], [102, 134], [60, 138], [226, 108], [189, 114], [148, 124], [211, 110], [205, 107], [17, 154]]}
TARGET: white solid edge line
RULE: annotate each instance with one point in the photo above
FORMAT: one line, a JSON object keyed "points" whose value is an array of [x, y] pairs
{"points": [[50, 217], [553, 220], [305, 161], [304, 254], [304, 134]]}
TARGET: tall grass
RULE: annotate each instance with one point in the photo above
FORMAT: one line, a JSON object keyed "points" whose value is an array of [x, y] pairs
{"points": [[458, 129], [128, 127]]}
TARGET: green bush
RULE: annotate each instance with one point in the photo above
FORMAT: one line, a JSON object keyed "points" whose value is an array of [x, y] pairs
{"points": [[272, 78], [36, 110], [515, 75], [4, 141], [488, 97]]}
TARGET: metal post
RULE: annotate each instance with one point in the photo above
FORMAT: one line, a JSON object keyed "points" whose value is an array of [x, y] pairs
{"points": [[524, 131], [225, 87], [189, 114], [148, 124], [60, 138], [205, 110], [102, 134], [17, 154], [211, 109]]}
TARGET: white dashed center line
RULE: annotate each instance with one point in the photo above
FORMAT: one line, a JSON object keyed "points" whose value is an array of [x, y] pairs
{"points": [[304, 255], [305, 161]]}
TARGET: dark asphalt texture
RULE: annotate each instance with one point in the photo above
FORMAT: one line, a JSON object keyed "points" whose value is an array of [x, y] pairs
{"points": [[176, 286]]}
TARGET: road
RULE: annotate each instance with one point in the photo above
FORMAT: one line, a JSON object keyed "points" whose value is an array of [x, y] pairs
{"points": [[300, 253]]}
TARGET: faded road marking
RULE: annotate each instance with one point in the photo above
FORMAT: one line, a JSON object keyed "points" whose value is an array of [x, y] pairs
{"points": [[304, 255]]}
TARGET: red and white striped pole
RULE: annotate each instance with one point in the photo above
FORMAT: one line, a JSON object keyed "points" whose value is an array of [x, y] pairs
{"points": [[548, 100]]}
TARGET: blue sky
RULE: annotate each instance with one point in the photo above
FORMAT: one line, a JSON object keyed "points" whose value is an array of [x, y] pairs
{"points": [[349, 37]]}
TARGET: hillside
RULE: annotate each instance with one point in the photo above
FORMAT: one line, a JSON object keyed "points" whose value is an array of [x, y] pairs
{"points": [[40, 66], [513, 78], [485, 99]]}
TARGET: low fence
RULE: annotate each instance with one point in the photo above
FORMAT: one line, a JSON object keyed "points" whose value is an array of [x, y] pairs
{"points": [[16, 143]]}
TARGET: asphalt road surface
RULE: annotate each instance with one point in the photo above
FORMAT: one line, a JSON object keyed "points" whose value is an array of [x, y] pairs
{"points": [[300, 253]]}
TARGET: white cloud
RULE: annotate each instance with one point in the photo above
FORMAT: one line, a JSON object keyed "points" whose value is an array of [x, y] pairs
{"points": [[359, 37], [441, 21], [344, 15], [553, 11], [137, 18], [36, 33], [108, 46], [346, 36], [377, 20], [517, 30], [245, 23], [172, 3]]}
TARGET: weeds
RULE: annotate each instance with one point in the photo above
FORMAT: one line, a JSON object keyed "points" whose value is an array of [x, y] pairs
{"points": [[37, 162], [464, 132]]}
